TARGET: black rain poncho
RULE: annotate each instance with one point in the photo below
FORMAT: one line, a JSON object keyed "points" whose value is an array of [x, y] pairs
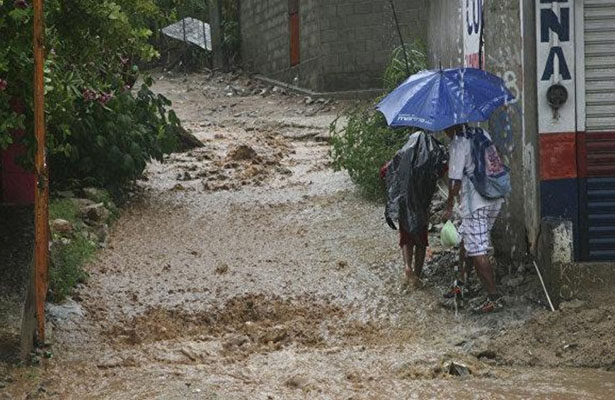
{"points": [[411, 181]]}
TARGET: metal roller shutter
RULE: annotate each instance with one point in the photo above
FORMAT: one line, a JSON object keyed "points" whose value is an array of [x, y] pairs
{"points": [[600, 65], [598, 210]]}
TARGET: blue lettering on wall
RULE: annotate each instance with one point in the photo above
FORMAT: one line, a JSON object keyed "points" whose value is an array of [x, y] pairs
{"points": [[477, 12], [550, 22], [563, 66]]}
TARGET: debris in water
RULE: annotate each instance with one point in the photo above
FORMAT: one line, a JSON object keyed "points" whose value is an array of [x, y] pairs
{"points": [[221, 269], [242, 152], [458, 369]]}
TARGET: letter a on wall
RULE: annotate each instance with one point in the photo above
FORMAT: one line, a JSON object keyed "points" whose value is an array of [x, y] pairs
{"points": [[555, 53]]}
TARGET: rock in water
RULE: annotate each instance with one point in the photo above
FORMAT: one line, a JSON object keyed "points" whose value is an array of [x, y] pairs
{"points": [[97, 213], [243, 152]]}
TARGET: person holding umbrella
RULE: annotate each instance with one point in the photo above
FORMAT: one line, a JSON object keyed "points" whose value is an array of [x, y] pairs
{"points": [[478, 214], [447, 100]]}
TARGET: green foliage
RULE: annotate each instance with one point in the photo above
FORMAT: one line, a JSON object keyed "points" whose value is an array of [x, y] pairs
{"points": [[113, 142], [65, 209], [67, 270], [366, 143], [397, 70], [97, 128]]}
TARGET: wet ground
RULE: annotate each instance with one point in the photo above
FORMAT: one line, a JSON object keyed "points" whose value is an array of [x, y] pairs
{"points": [[249, 269]]}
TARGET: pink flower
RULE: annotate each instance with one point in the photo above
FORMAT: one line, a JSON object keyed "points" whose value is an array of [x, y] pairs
{"points": [[104, 98], [3, 85], [23, 4], [89, 95]]}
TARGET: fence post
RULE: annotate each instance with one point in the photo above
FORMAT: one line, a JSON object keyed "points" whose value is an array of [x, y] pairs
{"points": [[41, 198]]}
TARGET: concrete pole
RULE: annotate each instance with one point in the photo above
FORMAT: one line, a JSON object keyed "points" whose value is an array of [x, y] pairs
{"points": [[215, 22]]}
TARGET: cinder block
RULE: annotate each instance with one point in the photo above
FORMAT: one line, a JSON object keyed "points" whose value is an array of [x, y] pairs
{"points": [[327, 36], [365, 7]]}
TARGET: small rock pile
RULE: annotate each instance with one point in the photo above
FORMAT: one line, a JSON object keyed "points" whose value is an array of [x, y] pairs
{"points": [[92, 220]]}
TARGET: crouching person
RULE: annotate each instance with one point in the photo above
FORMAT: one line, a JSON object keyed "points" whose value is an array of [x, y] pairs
{"points": [[479, 181]]}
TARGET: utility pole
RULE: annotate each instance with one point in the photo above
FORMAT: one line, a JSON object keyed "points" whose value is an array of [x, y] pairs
{"points": [[215, 23], [41, 196]]}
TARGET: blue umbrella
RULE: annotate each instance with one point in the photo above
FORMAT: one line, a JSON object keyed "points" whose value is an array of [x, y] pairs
{"points": [[436, 100]]}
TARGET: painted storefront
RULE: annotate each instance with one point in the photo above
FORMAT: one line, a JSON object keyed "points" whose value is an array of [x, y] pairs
{"points": [[576, 107]]}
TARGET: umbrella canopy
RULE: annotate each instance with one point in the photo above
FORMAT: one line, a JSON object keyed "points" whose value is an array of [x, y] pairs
{"points": [[436, 100], [190, 30]]}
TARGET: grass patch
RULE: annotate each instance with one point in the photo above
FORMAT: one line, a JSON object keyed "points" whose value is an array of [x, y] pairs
{"points": [[67, 263], [63, 209]]}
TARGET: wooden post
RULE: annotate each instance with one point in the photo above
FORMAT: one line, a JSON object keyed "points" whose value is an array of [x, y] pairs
{"points": [[41, 199], [215, 23]]}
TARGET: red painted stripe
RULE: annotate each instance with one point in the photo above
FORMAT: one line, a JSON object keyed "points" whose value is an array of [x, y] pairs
{"points": [[558, 156]]}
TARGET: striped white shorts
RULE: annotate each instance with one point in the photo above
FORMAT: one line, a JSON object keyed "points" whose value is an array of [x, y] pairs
{"points": [[476, 230]]}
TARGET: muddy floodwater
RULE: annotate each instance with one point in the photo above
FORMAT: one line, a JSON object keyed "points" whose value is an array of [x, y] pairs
{"points": [[250, 269]]}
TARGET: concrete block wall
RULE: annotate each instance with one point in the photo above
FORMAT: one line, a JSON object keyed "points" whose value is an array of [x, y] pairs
{"points": [[345, 44], [308, 73], [265, 33], [358, 36]]}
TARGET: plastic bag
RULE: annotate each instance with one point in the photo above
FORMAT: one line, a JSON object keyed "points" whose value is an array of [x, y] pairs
{"points": [[411, 180], [448, 235]]}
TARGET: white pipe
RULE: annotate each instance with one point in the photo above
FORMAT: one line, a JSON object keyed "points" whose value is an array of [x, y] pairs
{"points": [[543, 286]]}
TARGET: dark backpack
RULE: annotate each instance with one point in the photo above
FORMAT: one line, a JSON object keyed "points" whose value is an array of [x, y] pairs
{"points": [[491, 177]]}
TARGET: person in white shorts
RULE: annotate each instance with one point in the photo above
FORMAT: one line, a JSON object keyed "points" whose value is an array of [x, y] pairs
{"points": [[478, 215]]}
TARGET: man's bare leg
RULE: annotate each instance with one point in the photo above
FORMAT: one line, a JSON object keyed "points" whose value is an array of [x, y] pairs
{"points": [[408, 252], [485, 273], [465, 264], [419, 261]]}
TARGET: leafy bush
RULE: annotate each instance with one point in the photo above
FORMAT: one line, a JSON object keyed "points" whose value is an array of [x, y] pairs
{"points": [[111, 143], [397, 70], [364, 145], [366, 142], [97, 128]]}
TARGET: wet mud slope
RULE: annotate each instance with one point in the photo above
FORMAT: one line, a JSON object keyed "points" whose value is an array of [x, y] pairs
{"points": [[249, 269]]}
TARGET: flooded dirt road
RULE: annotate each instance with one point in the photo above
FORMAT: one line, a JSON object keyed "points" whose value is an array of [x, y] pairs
{"points": [[249, 269]]}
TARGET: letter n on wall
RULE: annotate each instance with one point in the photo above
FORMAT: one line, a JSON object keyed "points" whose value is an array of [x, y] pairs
{"points": [[293, 12]]}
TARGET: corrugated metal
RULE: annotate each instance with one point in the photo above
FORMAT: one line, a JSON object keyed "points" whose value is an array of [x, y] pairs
{"points": [[601, 218], [600, 65], [598, 210]]}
